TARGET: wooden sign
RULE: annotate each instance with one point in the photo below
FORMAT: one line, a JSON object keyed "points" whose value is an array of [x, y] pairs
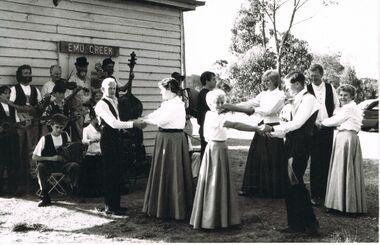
{"points": [[88, 49]]}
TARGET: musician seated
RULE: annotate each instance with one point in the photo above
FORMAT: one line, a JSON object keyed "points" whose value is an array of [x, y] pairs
{"points": [[92, 168], [48, 160], [57, 105]]}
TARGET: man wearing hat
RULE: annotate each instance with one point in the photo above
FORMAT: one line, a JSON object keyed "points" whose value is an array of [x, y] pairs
{"points": [[108, 67], [81, 97]]}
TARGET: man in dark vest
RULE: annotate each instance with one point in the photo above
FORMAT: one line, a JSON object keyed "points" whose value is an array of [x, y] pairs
{"points": [[9, 146], [298, 133], [323, 136], [26, 97]]}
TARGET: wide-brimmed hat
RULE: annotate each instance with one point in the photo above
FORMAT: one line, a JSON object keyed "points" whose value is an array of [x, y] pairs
{"points": [[107, 61], [178, 76], [81, 61]]}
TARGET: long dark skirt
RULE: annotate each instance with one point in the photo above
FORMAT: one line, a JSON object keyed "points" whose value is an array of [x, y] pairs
{"points": [[169, 191], [92, 176], [265, 170]]}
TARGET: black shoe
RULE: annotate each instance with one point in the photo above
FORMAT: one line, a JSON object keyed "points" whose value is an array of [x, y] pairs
{"points": [[315, 202], [242, 193], [313, 230], [115, 212], [122, 209], [45, 201]]}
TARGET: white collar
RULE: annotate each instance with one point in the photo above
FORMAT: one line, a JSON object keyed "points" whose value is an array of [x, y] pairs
{"points": [[320, 86]]}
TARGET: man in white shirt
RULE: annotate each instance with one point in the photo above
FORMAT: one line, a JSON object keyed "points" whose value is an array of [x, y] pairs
{"points": [[323, 136], [83, 96], [26, 97], [298, 133]]}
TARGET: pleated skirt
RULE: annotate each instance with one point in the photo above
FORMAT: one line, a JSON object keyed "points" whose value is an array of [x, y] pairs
{"points": [[169, 191], [265, 169], [345, 186], [215, 202]]}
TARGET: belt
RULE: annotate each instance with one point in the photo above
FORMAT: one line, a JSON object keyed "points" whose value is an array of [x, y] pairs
{"points": [[170, 130]]}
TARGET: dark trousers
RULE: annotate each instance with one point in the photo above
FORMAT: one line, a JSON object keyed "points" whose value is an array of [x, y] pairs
{"points": [[9, 160], [111, 150], [203, 141], [28, 138], [300, 213], [92, 176], [320, 161], [44, 170]]}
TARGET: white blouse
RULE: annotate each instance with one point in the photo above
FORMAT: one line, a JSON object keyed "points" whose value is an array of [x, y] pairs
{"points": [[348, 117], [268, 105], [213, 126], [170, 115], [91, 134]]}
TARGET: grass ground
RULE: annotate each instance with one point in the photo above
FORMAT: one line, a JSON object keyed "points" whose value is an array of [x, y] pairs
{"points": [[71, 221]]}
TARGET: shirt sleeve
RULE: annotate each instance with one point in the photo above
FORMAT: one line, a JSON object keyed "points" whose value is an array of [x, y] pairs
{"points": [[304, 112], [13, 94], [39, 147], [336, 120], [160, 116], [39, 97], [271, 106], [86, 136], [254, 102], [335, 97], [103, 111]]}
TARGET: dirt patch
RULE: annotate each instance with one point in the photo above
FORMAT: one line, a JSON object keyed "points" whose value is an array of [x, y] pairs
{"points": [[70, 220]]}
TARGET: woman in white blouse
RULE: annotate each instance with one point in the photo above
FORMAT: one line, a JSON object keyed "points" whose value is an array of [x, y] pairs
{"points": [[345, 186], [169, 191], [265, 169]]}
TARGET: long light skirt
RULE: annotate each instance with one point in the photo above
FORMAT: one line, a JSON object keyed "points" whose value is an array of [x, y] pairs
{"points": [[169, 191], [215, 202], [345, 186]]}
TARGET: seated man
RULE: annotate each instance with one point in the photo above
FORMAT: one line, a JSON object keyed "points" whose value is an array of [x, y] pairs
{"points": [[48, 160]]}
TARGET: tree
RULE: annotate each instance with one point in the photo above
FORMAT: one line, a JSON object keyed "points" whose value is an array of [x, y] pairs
{"points": [[370, 88], [349, 77], [246, 73]]}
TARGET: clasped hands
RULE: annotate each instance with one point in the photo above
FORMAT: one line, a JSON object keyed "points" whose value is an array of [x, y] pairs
{"points": [[139, 123]]}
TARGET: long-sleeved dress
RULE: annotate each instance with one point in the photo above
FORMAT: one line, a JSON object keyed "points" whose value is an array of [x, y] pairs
{"points": [[345, 185], [215, 202], [265, 169], [169, 191]]}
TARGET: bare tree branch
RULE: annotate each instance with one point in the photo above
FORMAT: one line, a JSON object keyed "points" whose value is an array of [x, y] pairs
{"points": [[279, 5], [303, 3], [301, 21]]}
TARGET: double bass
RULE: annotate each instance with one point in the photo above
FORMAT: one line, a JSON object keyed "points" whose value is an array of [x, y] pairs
{"points": [[130, 107]]}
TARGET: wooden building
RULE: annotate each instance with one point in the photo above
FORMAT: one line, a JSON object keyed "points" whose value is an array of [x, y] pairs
{"points": [[37, 33]]}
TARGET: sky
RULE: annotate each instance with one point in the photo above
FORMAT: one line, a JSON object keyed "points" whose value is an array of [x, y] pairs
{"points": [[351, 28]]}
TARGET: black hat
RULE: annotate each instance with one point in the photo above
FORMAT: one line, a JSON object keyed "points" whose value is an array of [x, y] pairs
{"points": [[107, 61], [81, 61], [178, 76]]}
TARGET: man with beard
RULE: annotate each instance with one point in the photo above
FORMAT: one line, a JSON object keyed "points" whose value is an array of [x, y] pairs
{"points": [[81, 96], [26, 97]]}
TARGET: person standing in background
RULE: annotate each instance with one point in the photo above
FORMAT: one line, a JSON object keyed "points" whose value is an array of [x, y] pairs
{"points": [[323, 136], [82, 96], [208, 80], [28, 97]]}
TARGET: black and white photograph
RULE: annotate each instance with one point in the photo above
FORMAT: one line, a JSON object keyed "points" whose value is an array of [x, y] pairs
{"points": [[189, 121]]}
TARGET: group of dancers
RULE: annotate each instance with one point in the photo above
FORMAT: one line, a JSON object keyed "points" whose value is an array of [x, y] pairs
{"points": [[276, 163]]}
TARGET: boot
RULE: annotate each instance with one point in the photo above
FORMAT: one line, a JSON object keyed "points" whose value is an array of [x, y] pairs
{"points": [[45, 200]]}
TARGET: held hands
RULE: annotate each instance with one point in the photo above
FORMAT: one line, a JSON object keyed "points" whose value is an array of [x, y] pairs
{"points": [[139, 123]]}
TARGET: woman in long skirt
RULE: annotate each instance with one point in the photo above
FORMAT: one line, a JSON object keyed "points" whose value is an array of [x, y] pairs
{"points": [[265, 169], [169, 191], [345, 186], [215, 203]]}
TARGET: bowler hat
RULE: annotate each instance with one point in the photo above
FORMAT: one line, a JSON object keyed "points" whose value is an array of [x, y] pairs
{"points": [[178, 76], [81, 61], [107, 61]]}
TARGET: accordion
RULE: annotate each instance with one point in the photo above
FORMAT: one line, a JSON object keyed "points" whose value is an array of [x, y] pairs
{"points": [[72, 152]]}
